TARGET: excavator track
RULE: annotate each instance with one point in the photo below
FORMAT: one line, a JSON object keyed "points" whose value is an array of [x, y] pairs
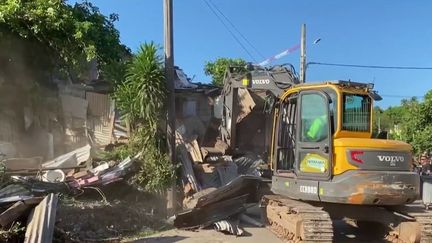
{"points": [[422, 225], [295, 221]]}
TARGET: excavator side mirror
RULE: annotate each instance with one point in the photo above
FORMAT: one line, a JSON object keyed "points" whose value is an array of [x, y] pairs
{"points": [[374, 95]]}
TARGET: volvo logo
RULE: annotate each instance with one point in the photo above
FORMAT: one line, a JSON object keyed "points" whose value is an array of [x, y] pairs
{"points": [[388, 158], [260, 81]]}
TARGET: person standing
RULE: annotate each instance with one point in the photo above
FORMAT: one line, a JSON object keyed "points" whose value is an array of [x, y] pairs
{"points": [[425, 164]]}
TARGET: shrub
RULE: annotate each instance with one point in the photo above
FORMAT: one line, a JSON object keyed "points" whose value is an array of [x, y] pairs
{"points": [[141, 99]]}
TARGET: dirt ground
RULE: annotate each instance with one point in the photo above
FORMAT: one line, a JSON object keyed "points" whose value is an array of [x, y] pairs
{"points": [[128, 215], [125, 214]]}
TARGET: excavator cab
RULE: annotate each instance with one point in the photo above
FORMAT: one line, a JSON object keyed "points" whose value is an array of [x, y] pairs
{"points": [[322, 148]]}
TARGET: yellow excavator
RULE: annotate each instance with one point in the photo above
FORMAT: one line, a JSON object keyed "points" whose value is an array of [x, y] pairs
{"points": [[324, 163]]}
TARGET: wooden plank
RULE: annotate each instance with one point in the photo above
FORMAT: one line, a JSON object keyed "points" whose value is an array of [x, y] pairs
{"points": [[183, 157], [187, 166], [194, 151], [13, 213]]}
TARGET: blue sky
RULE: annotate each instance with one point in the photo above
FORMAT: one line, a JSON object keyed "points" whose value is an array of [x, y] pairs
{"points": [[367, 32]]}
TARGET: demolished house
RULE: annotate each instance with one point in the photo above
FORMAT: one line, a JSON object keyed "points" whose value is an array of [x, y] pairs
{"points": [[48, 130], [48, 133], [217, 187]]}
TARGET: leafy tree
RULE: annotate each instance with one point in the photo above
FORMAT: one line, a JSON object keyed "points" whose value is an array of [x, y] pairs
{"points": [[141, 98], [380, 120], [73, 35], [417, 125], [217, 68], [142, 95], [395, 114]]}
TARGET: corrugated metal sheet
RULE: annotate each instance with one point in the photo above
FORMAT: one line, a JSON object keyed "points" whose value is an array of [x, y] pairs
{"points": [[102, 134], [41, 221], [101, 117], [72, 158], [99, 105]]}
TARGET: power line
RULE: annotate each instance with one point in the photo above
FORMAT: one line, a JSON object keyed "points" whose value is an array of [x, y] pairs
{"points": [[369, 66], [402, 96], [229, 30], [236, 29]]}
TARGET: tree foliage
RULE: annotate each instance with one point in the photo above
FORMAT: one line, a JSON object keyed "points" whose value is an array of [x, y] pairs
{"points": [[411, 122], [416, 127], [73, 34], [217, 68], [143, 93], [141, 98]]}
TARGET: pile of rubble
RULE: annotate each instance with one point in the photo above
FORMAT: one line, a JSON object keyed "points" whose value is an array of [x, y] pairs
{"points": [[217, 188], [31, 192]]}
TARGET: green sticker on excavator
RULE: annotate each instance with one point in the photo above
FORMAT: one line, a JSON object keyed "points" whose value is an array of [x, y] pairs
{"points": [[287, 183], [314, 163]]}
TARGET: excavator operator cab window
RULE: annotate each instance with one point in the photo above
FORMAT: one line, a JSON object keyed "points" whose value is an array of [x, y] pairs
{"points": [[314, 116], [286, 134], [356, 113]]}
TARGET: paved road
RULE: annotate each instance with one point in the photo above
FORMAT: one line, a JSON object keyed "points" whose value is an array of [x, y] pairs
{"points": [[345, 232], [211, 236]]}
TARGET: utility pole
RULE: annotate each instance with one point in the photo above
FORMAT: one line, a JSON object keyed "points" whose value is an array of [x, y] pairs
{"points": [[303, 54], [169, 74], [379, 122]]}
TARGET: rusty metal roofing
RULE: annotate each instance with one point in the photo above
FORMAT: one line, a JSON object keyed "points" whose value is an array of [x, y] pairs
{"points": [[40, 223]]}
